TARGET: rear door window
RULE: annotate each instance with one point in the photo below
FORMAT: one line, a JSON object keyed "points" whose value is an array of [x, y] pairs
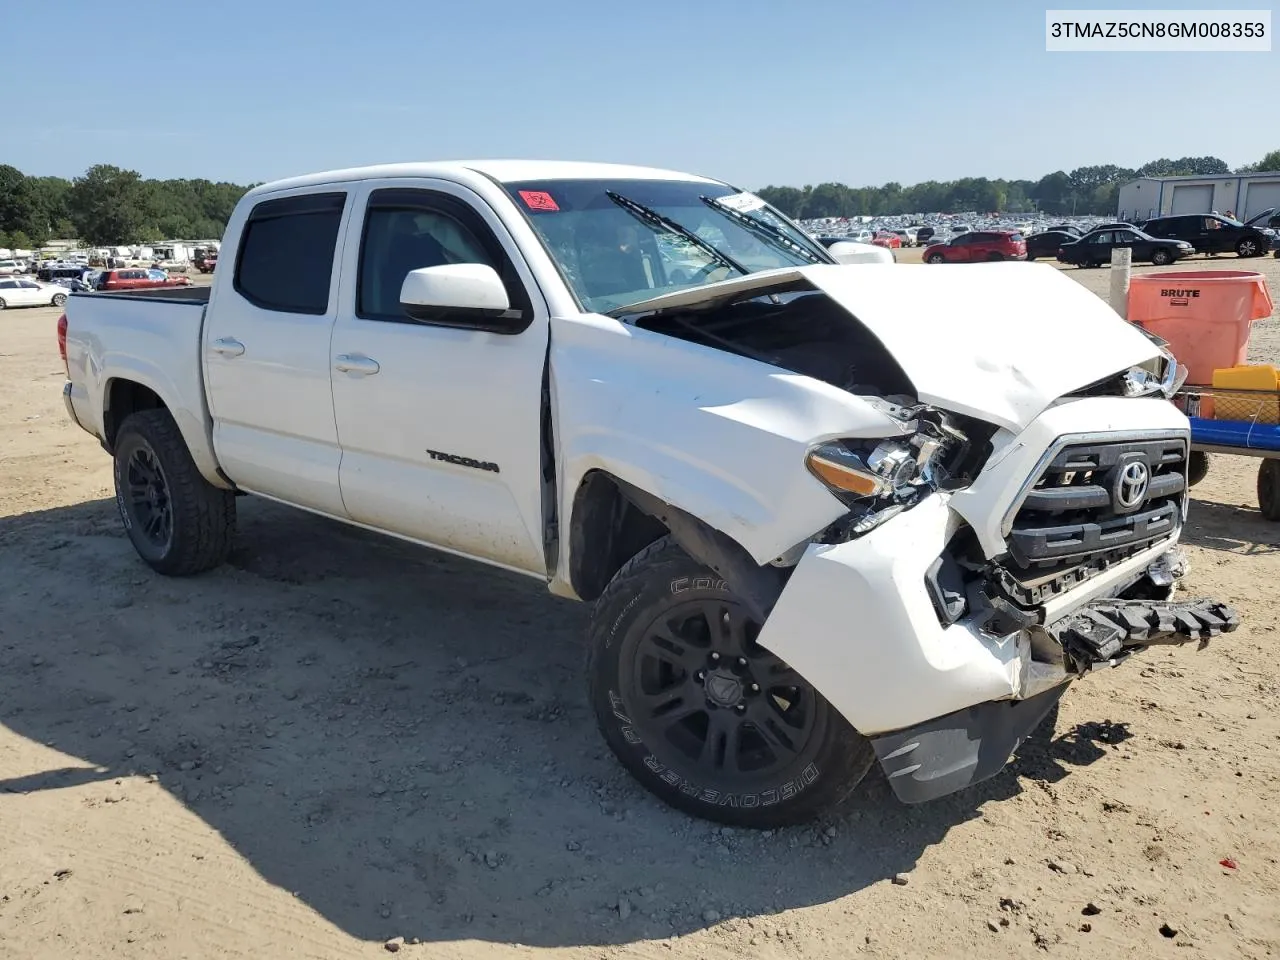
{"points": [[287, 247]]}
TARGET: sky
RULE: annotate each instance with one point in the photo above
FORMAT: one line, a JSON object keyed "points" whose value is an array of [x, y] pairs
{"points": [[755, 92]]}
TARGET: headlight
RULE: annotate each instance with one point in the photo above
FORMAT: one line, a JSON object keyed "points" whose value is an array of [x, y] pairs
{"points": [[1162, 375], [892, 470], [1183, 245]]}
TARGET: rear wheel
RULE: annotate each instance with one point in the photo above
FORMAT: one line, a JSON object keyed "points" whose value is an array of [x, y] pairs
{"points": [[1248, 247], [2, 303], [1161, 257], [179, 523], [702, 715], [1269, 489], [59, 299], [936, 258]]}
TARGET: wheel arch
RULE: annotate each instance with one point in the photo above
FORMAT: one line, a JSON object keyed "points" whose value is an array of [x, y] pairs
{"points": [[127, 392], [612, 520]]}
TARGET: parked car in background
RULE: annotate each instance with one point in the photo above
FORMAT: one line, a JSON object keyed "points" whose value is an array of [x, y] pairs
{"points": [[20, 292], [53, 272], [887, 239], [924, 235], [12, 268], [978, 245], [1213, 233], [1046, 244], [138, 278], [1071, 228], [1094, 248]]}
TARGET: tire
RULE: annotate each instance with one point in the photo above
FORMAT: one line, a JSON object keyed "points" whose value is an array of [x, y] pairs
{"points": [[179, 523], [1161, 258], [995, 257], [59, 299], [1197, 467], [1248, 247], [743, 758], [1269, 488], [936, 258], [2, 303]]}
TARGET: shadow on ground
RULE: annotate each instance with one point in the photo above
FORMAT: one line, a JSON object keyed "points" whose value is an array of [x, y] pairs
{"points": [[1230, 528], [401, 738]]}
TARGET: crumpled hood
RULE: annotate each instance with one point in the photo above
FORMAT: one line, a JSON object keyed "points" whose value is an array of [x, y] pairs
{"points": [[996, 341]]}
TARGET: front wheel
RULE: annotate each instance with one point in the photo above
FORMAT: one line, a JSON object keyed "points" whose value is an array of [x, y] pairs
{"points": [[1161, 257], [1197, 467], [703, 716], [936, 258], [59, 299], [1248, 247], [179, 523]]}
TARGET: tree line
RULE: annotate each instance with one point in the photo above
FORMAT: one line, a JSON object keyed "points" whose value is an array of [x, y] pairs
{"points": [[109, 206], [1084, 191]]}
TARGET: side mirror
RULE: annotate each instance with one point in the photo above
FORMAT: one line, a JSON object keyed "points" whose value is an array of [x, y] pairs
{"points": [[468, 295], [850, 251]]}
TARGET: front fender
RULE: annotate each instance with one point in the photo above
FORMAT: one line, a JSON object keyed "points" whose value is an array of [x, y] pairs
{"points": [[721, 437]]}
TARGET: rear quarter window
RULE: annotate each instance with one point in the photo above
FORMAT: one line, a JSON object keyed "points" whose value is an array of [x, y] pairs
{"points": [[285, 260]]}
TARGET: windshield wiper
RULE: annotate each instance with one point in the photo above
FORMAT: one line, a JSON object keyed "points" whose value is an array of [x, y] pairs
{"points": [[653, 217], [763, 230]]}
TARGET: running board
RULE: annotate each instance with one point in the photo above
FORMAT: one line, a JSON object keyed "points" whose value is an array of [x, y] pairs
{"points": [[1098, 632]]}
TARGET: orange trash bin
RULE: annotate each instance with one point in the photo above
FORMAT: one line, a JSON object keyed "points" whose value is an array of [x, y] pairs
{"points": [[1204, 314]]}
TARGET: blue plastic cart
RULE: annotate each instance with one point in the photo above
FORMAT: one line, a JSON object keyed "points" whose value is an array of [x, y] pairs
{"points": [[1257, 436]]}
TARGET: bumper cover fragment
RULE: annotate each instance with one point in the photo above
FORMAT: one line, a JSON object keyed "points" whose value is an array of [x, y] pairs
{"points": [[1102, 631]]}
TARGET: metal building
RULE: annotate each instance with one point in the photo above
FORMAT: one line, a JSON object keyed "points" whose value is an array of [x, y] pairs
{"points": [[1246, 195]]}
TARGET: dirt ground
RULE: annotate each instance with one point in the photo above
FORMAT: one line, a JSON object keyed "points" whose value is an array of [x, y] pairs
{"points": [[338, 739]]}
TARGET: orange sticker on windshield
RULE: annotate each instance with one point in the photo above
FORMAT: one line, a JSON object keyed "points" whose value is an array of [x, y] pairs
{"points": [[539, 200]]}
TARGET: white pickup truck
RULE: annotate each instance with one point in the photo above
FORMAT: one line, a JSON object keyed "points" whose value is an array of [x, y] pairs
{"points": [[828, 514]]}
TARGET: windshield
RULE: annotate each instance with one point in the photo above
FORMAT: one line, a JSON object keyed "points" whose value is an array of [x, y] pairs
{"points": [[617, 242]]}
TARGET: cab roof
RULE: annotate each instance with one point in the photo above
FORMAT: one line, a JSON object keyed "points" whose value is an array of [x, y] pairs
{"points": [[504, 171]]}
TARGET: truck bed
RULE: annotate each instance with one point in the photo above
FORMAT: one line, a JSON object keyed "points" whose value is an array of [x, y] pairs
{"points": [[150, 337]]}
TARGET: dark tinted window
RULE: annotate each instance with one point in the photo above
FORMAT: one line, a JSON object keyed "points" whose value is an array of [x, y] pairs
{"points": [[962, 239], [407, 229], [285, 261]]}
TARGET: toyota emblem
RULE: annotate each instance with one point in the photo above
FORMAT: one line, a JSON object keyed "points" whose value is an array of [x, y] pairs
{"points": [[1131, 485]]}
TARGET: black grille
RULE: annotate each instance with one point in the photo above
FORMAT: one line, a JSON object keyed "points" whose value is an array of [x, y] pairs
{"points": [[1076, 515]]}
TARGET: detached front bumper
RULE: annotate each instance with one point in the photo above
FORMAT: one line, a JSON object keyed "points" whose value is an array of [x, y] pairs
{"points": [[949, 753]]}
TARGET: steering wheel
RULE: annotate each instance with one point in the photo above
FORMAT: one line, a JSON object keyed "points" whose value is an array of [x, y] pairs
{"points": [[704, 273]]}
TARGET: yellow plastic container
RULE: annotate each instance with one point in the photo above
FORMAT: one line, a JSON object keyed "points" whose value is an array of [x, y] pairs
{"points": [[1245, 406]]}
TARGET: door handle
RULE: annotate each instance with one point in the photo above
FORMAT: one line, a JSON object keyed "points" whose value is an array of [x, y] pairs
{"points": [[228, 347], [356, 363]]}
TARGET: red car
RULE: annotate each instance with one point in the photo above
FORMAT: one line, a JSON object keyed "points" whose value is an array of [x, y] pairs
{"points": [[138, 278], [884, 238], [978, 245]]}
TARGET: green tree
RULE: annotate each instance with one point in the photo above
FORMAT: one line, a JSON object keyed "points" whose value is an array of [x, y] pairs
{"points": [[1269, 163], [108, 205], [19, 241]]}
